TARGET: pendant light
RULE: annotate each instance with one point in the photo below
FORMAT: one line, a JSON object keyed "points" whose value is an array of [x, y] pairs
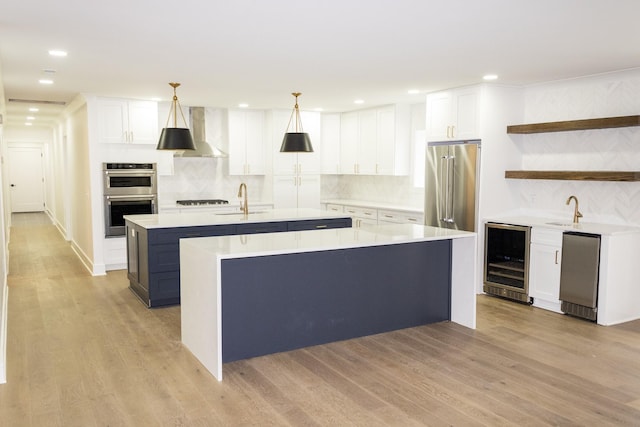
{"points": [[175, 138], [296, 141]]}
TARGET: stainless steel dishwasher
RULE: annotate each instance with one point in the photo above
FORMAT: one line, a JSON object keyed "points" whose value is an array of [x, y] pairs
{"points": [[579, 274]]}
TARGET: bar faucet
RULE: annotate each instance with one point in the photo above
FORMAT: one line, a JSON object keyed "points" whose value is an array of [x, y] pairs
{"points": [[576, 213], [244, 207]]}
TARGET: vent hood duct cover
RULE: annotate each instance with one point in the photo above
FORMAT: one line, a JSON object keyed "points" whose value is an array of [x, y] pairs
{"points": [[203, 148]]}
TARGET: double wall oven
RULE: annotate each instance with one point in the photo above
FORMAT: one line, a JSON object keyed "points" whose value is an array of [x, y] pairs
{"points": [[129, 189]]}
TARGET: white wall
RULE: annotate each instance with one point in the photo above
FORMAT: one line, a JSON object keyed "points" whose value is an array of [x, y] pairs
{"points": [[614, 94], [4, 263]]}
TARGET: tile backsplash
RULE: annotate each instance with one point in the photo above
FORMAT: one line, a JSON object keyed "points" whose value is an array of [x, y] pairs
{"points": [[208, 178], [609, 95]]}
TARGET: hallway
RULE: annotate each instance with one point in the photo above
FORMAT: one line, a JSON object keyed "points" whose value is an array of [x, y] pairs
{"points": [[83, 351]]}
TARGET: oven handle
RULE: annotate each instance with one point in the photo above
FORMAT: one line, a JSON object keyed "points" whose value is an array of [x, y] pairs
{"points": [[150, 197], [129, 172]]}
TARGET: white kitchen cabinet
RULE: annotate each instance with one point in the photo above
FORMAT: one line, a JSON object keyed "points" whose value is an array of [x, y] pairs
{"points": [[393, 140], [399, 217], [375, 141], [127, 121], [545, 254], [362, 216], [330, 137], [296, 191], [453, 114], [358, 132], [349, 143], [246, 142]]}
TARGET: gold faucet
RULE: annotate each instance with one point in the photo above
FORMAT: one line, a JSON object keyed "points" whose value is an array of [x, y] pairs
{"points": [[244, 207], [576, 213]]}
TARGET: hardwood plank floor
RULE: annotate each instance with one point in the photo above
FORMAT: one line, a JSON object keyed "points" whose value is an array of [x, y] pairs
{"points": [[83, 351]]}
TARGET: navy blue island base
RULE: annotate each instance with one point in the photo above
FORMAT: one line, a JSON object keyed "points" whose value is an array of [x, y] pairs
{"points": [[283, 302]]}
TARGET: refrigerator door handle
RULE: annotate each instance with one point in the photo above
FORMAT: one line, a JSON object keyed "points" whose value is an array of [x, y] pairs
{"points": [[442, 201], [451, 167]]}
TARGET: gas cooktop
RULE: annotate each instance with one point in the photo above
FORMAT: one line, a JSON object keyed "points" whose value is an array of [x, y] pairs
{"points": [[203, 202]]}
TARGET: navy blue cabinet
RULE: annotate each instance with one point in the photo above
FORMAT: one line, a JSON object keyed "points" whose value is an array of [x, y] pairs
{"points": [[154, 254]]}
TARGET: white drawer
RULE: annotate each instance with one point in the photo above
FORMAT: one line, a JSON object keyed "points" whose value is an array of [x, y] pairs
{"points": [[335, 208], [546, 236], [398, 217], [359, 212]]}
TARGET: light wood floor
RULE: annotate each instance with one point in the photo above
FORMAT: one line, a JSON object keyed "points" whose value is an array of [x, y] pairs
{"points": [[83, 351]]}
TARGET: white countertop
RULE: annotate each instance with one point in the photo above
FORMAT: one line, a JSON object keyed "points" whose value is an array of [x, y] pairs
{"points": [[320, 240], [190, 219], [374, 205], [233, 204], [566, 225]]}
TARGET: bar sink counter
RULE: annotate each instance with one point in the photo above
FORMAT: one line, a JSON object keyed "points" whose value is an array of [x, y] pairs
{"points": [[250, 295]]}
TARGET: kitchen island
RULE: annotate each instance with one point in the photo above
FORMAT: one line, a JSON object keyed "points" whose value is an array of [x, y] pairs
{"points": [[245, 296], [153, 267]]}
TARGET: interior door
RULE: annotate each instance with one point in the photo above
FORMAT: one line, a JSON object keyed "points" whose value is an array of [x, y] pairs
{"points": [[26, 179]]}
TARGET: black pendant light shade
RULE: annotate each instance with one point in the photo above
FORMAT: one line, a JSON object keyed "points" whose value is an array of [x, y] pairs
{"points": [[296, 141], [175, 138]]}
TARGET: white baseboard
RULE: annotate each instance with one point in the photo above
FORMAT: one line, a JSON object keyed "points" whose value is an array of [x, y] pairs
{"points": [[94, 269], [3, 332]]}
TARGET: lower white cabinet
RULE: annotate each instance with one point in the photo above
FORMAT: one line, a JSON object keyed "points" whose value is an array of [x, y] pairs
{"points": [[296, 191], [362, 216], [372, 215], [397, 217], [544, 268]]}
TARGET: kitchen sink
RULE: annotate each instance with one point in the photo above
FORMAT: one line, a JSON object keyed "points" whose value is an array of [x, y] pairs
{"points": [[561, 224], [239, 213]]}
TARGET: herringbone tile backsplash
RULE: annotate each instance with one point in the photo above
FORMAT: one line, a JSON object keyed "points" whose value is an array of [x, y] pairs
{"points": [[616, 94]]}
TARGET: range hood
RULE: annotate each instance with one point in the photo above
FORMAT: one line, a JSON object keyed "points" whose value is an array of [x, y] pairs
{"points": [[197, 126]]}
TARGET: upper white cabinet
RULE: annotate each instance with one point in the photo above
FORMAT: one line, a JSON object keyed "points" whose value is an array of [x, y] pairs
{"points": [[246, 142], [375, 141], [296, 163], [127, 121], [330, 137], [453, 114]]}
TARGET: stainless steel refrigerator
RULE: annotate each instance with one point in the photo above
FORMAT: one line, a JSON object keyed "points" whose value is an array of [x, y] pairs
{"points": [[451, 184]]}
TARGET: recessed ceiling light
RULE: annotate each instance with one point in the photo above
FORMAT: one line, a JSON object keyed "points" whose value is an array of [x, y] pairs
{"points": [[30, 118], [413, 91], [490, 77], [49, 71], [28, 124], [34, 109], [45, 82], [243, 105], [57, 52], [359, 101]]}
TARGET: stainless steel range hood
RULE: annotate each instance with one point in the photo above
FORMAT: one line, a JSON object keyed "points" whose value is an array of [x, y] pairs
{"points": [[197, 126]]}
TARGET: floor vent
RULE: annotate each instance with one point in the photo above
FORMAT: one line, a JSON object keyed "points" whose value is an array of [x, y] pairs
{"points": [[506, 293], [578, 310]]}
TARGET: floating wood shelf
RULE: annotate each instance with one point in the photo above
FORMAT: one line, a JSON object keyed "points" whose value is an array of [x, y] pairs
{"points": [[575, 175], [602, 123]]}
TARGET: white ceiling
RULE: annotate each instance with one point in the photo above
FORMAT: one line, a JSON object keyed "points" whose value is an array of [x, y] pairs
{"points": [[333, 51]]}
